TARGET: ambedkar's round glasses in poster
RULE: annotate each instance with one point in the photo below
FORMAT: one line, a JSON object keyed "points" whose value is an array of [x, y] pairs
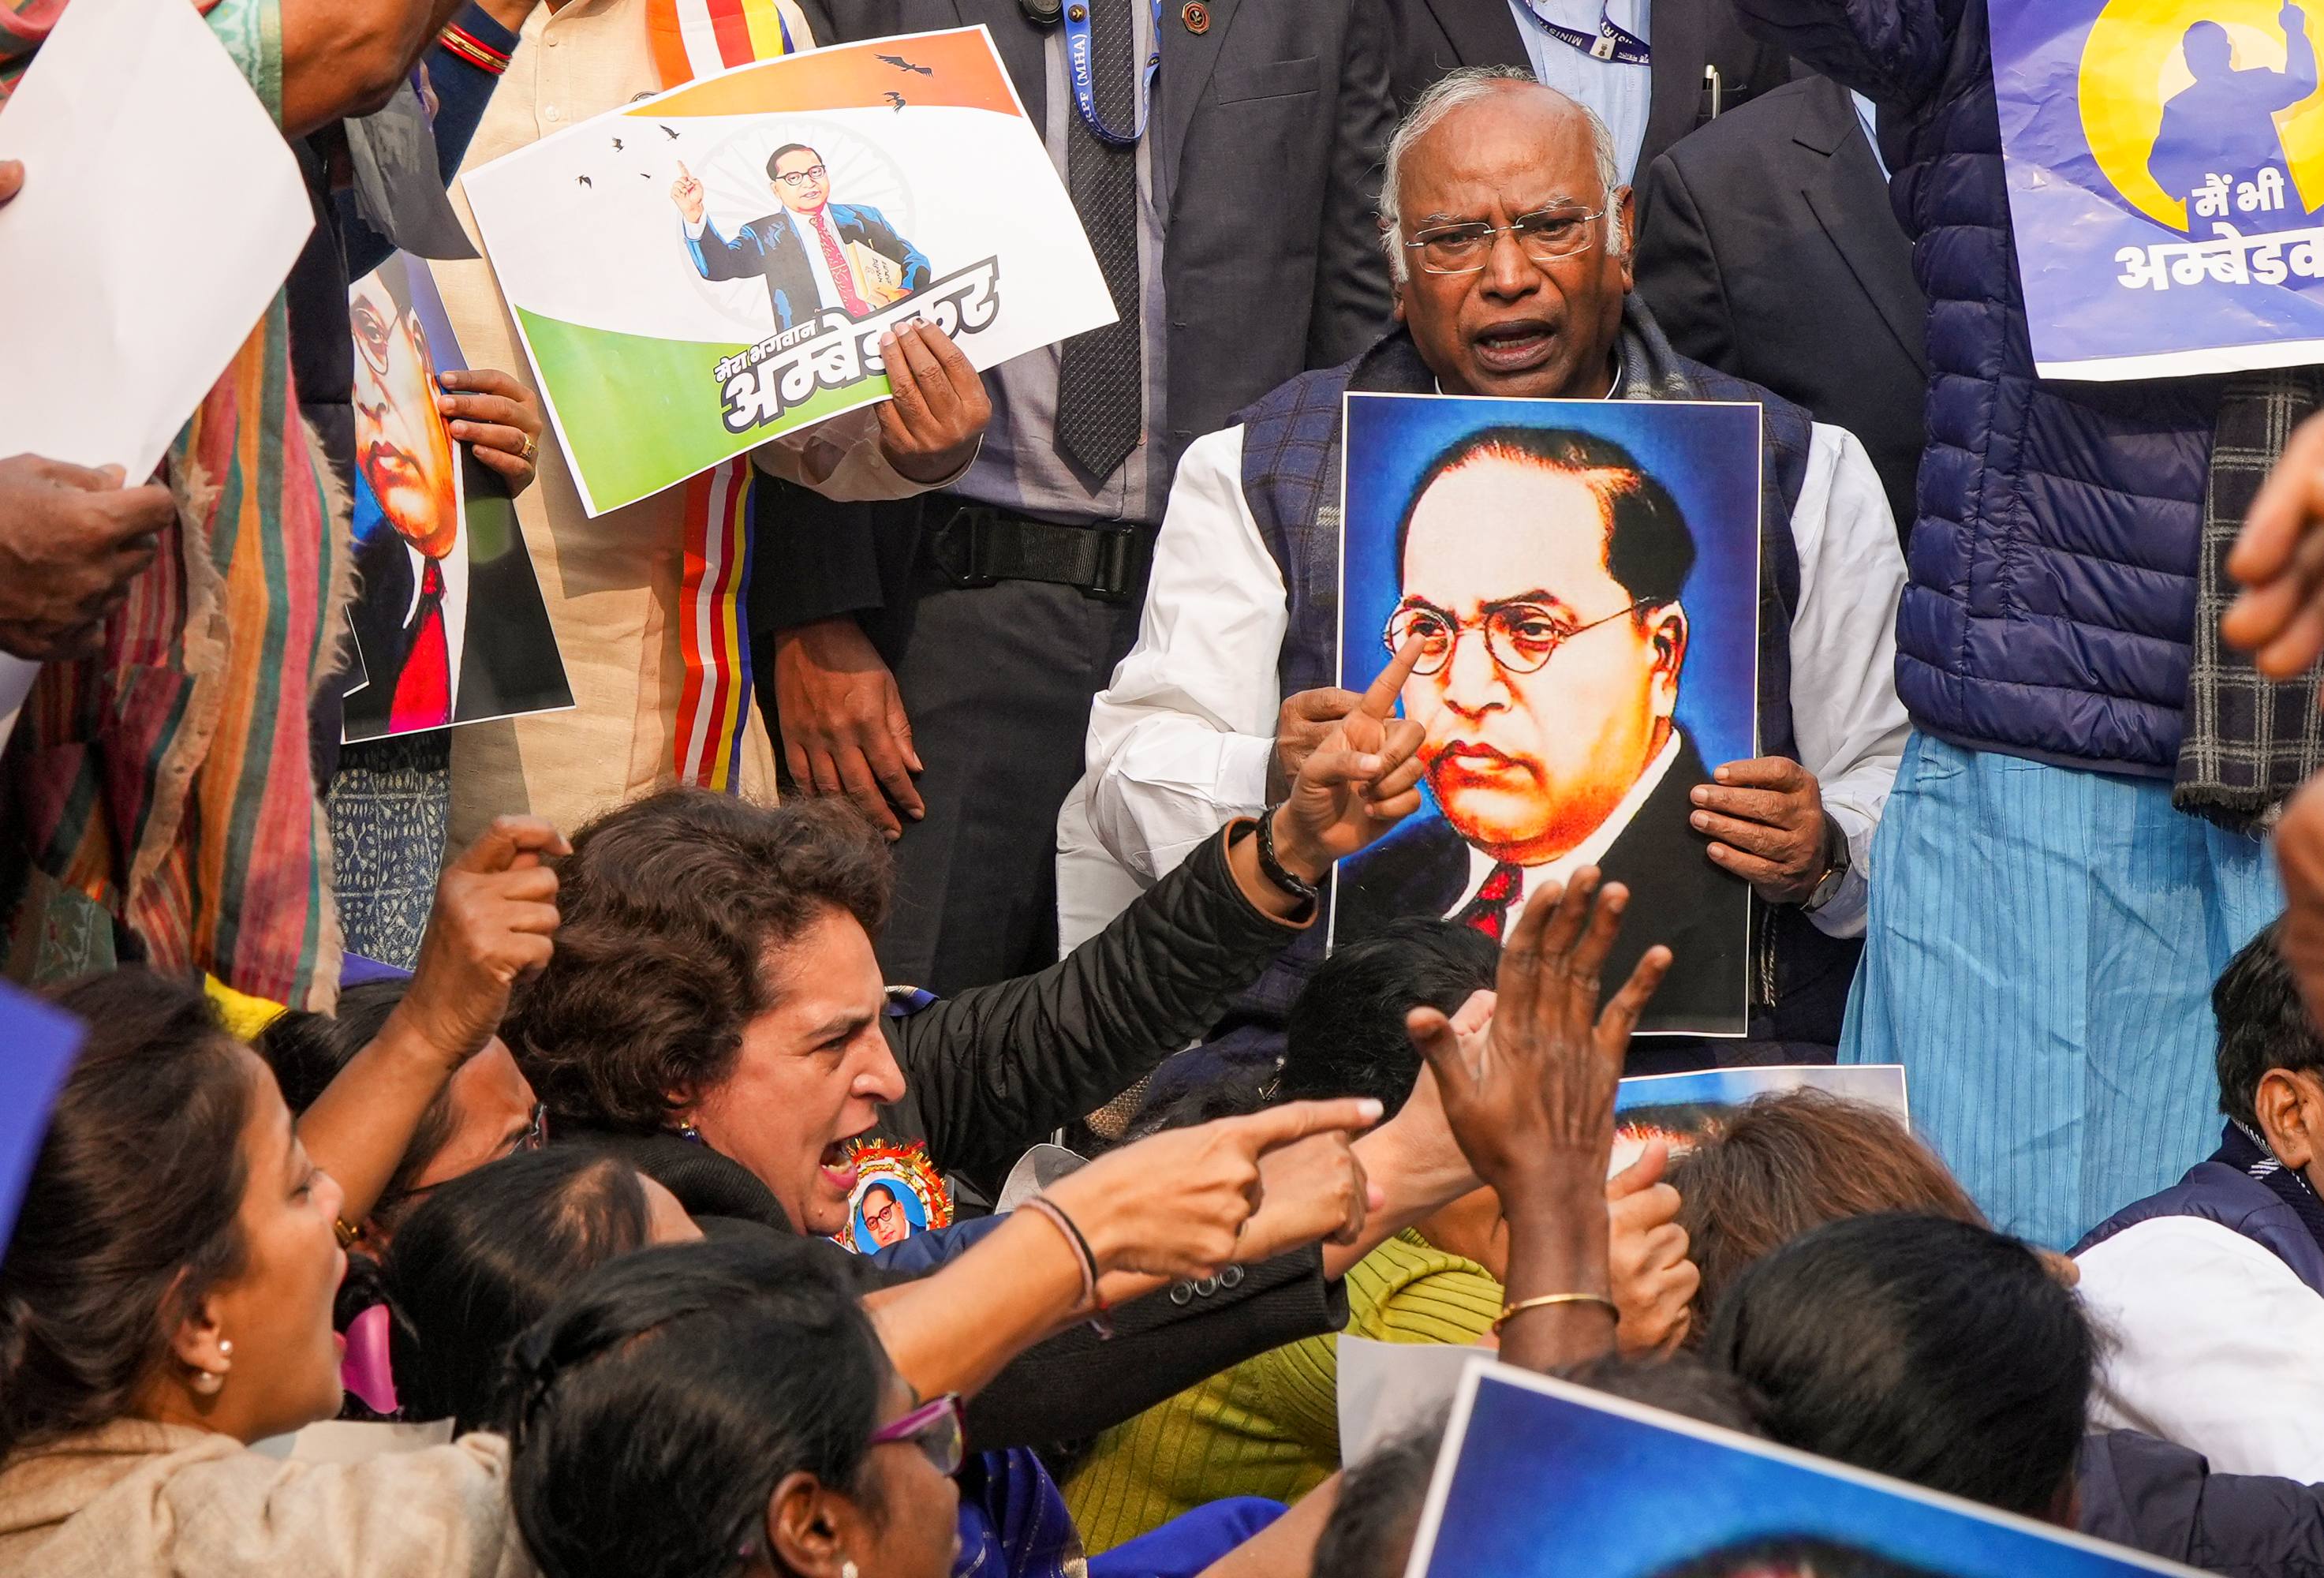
{"points": [[1583, 578]]}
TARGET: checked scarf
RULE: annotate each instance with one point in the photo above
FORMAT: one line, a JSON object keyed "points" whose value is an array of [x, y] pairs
{"points": [[2249, 741]]}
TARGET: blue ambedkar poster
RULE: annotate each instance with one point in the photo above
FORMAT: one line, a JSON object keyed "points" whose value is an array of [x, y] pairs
{"points": [[2166, 173], [1539, 1479], [1582, 580]]}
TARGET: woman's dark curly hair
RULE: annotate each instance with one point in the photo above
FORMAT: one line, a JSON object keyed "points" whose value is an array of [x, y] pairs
{"points": [[670, 907], [131, 1215]]}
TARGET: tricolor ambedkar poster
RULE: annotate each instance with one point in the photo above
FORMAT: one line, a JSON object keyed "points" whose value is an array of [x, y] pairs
{"points": [[713, 267], [2166, 166]]}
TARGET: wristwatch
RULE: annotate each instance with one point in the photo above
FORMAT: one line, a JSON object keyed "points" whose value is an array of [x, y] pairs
{"points": [[1835, 871]]}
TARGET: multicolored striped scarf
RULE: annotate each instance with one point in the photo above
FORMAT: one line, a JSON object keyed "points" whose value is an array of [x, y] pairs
{"points": [[157, 796], [696, 38]]}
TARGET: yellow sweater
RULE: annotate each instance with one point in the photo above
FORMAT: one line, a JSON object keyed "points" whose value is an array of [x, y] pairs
{"points": [[1270, 1426]]}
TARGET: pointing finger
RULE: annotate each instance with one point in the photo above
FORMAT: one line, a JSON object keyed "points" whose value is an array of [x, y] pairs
{"points": [[1379, 696], [1295, 1121]]}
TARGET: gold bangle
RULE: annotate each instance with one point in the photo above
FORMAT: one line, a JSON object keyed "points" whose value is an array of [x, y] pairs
{"points": [[1510, 1310]]}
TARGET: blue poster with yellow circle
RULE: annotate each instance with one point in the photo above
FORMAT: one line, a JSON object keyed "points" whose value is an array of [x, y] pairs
{"points": [[2166, 181]]}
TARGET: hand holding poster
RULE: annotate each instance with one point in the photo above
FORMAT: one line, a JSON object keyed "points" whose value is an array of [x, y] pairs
{"points": [[2166, 169], [1583, 578], [714, 267], [449, 622], [1540, 1478]]}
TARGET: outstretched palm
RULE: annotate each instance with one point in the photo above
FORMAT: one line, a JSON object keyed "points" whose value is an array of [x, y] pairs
{"points": [[1535, 1086]]}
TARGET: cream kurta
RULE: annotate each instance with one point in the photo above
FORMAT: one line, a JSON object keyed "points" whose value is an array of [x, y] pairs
{"points": [[611, 583], [140, 1500]]}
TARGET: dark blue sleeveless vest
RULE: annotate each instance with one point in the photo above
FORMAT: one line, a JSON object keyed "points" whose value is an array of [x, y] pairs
{"points": [[1291, 479], [2238, 1202]]}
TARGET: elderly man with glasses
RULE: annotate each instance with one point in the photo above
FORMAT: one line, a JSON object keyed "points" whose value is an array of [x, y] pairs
{"points": [[1508, 233]]}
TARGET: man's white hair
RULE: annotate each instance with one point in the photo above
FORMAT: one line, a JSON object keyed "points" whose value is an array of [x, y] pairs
{"points": [[1466, 86]]}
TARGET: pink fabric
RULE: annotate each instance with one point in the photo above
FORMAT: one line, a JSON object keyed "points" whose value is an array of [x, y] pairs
{"points": [[367, 1370]]}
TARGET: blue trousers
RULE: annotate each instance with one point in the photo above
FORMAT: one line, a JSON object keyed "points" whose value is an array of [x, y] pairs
{"points": [[2040, 956]]}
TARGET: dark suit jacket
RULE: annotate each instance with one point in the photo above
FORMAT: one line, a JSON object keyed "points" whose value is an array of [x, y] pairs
{"points": [[1768, 248], [1433, 36], [508, 653], [773, 248], [1267, 129], [1678, 896]]}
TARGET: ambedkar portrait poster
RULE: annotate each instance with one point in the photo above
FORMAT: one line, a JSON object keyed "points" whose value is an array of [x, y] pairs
{"points": [[1541, 1478], [2165, 162], [447, 621], [1583, 577], [713, 267]]}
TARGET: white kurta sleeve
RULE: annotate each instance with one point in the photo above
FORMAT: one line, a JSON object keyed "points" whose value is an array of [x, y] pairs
{"points": [[1180, 742], [1850, 724]]}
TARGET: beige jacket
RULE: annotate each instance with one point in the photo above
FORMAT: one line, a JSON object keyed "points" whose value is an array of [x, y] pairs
{"points": [[140, 1501]]}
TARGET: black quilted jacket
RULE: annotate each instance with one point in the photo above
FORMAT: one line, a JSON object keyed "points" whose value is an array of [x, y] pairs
{"points": [[997, 1068]]}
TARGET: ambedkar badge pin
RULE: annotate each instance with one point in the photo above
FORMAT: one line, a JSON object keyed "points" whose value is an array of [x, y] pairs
{"points": [[897, 1192]]}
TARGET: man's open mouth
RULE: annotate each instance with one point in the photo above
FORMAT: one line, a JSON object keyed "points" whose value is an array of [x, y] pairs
{"points": [[1516, 347]]}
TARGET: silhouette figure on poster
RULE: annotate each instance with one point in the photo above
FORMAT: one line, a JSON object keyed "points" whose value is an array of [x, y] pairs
{"points": [[2220, 132]]}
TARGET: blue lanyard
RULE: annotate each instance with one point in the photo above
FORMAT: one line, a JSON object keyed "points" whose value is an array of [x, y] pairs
{"points": [[1609, 43], [1077, 66]]}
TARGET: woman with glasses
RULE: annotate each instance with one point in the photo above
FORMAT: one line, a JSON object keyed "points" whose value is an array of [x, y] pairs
{"points": [[488, 1255], [484, 1112], [819, 1463]]}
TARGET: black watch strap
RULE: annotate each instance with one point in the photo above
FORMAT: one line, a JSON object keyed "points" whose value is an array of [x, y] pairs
{"points": [[1835, 866], [1274, 870]]}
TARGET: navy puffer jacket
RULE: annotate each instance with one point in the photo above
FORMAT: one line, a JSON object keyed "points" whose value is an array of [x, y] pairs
{"points": [[2051, 600]]}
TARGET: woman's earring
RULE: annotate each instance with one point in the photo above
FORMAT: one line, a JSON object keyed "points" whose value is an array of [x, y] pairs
{"points": [[207, 1381], [846, 1569]]}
